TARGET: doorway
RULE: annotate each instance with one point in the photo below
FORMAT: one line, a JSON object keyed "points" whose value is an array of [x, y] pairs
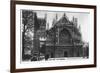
{"points": [[65, 54]]}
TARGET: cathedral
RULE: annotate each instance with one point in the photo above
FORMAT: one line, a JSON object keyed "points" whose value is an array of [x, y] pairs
{"points": [[63, 39]]}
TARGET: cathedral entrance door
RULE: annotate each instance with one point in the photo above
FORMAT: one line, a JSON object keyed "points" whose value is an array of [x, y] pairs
{"points": [[65, 54]]}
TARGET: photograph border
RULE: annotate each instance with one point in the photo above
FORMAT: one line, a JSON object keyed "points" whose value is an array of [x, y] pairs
{"points": [[13, 35]]}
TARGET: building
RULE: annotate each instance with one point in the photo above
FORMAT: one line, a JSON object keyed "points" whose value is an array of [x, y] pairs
{"points": [[39, 35], [64, 39]]}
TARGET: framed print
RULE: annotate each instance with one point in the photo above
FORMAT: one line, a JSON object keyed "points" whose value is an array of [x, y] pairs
{"points": [[52, 36]]}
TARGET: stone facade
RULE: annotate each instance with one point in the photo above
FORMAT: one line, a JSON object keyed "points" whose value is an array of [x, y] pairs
{"points": [[64, 39]]}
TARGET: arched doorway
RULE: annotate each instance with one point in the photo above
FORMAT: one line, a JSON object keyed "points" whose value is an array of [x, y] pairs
{"points": [[65, 54]]}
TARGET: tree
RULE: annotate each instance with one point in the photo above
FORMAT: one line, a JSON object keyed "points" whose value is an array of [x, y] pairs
{"points": [[26, 16], [30, 24]]}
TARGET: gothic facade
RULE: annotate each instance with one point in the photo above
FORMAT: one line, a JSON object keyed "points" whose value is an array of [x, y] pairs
{"points": [[64, 39]]}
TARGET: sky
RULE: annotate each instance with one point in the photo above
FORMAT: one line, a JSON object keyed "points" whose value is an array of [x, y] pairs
{"points": [[83, 20]]}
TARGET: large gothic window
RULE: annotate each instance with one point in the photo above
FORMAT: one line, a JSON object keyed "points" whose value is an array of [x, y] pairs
{"points": [[65, 36]]}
